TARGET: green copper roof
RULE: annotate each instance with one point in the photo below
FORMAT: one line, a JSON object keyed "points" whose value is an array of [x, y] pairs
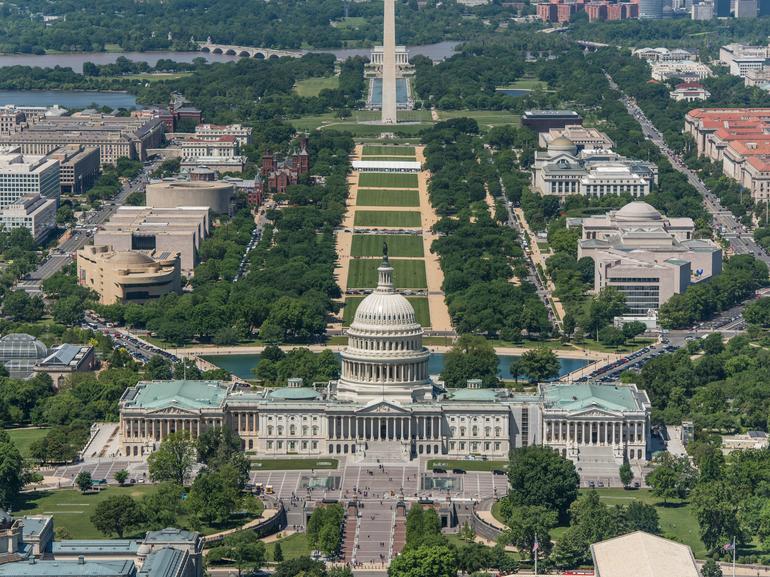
{"points": [[192, 395], [293, 394], [583, 395], [482, 395]]}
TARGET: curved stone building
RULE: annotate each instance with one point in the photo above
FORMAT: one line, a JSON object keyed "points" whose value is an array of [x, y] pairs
{"points": [[171, 193]]}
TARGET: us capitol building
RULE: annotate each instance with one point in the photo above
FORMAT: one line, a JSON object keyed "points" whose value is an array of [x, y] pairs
{"points": [[386, 406]]}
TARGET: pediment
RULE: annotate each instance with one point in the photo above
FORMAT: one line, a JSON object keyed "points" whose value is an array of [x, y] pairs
{"points": [[383, 408], [172, 410], [595, 411]]}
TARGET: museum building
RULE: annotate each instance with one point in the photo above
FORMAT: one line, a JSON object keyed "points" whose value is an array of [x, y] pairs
{"points": [[387, 406]]}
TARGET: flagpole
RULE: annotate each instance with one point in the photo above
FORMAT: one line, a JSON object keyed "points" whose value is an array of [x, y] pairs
{"points": [[538, 547], [733, 557]]}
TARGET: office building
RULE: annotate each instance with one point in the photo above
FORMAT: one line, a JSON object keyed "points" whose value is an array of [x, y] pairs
{"points": [[128, 276], [757, 77], [563, 171], [738, 139], [661, 54], [646, 256], [241, 134], [78, 167], [742, 58], [722, 8], [650, 9], [172, 192], [26, 174], [702, 11], [167, 231], [686, 70], [220, 146], [31, 211], [746, 8], [115, 136], [689, 92], [544, 120]]}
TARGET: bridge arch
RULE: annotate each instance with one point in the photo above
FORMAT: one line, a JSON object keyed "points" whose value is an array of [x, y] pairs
{"points": [[205, 49], [258, 55], [244, 54], [217, 50], [230, 52]]}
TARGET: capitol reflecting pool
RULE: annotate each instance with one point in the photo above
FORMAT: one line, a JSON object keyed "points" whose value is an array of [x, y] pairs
{"points": [[242, 365]]}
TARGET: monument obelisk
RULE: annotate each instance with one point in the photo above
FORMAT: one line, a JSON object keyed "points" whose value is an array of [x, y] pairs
{"points": [[389, 64]]}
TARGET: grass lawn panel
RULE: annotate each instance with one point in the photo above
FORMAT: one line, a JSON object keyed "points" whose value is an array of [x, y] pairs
{"points": [[420, 305], [398, 245], [313, 86], [468, 465], [292, 464], [406, 273], [23, 438], [372, 197], [387, 180], [392, 150], [72, 510], [292, 547], [390, 158], [387, 218]]}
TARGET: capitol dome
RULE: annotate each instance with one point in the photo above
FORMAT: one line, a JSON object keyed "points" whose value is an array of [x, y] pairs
{"points": [[384, 359], [636, 211]]}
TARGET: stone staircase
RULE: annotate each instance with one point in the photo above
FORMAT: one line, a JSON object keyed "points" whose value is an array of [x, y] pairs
{"points": [[398, 535], [349, 533], [381, 452]]}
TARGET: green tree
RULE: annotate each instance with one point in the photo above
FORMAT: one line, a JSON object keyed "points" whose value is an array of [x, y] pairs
{"points": [[626, 474], [716, 508], [11, 470], [277, 552], [158, 368], [472, 357], [633, 329], [539, 364], [163, 507], [244, 549], [84, 481], [173, 460], [527, 523], [69, 310], [642, 517], [711, 569], [426, 561], [541, 476], [214, 495], [671, 477], [21, 307], [116, 515], [611, 337], [121, 476]]}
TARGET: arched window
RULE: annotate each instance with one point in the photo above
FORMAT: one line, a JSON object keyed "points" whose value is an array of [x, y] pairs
{"points": [[270, 429], [292, 430], [474, 431]]}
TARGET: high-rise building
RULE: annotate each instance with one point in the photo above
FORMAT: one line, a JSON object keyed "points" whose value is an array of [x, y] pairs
{"points": [[746, 8], [702, 11], [722, 8], [650, 9], [22, 174]]}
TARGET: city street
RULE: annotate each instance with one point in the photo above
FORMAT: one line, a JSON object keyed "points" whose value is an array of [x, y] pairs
{"points": [[741, 239], [61, 256]]}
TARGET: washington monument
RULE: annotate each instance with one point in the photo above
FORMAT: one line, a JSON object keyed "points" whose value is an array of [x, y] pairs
{"points": [[389, 64]]}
